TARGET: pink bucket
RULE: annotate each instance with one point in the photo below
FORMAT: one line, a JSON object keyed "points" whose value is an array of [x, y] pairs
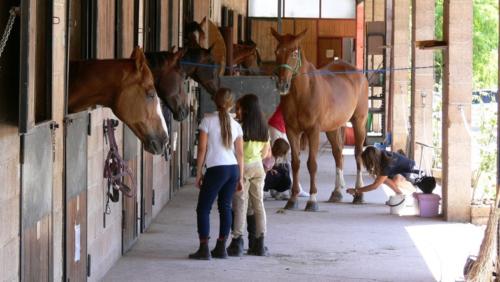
{"points": [[428, 204]]}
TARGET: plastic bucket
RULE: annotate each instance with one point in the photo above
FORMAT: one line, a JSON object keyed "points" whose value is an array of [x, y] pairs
{"points": [[428, 204]]}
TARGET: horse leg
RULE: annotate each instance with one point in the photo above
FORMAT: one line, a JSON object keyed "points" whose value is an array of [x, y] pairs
{"points": [[359, 126], [312, 166], [335, 139], [293, 139]]}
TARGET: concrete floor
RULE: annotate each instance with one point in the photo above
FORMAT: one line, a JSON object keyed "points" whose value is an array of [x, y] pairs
{"points": [[341, 242]]}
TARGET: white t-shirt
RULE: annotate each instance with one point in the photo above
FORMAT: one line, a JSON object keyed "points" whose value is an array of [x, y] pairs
{"points": [[217, 154]]}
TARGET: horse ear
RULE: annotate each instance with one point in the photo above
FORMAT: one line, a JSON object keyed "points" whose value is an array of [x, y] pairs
{"points": [[180, 53], [203, 21], [275, 34], [139, 58], [301, 35]]}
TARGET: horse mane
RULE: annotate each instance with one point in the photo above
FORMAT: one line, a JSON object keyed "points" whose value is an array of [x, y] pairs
{"points": [[158, 59]]}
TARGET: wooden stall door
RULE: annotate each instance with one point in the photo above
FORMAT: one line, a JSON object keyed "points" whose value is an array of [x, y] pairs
{"points": [[127, 13], [328, 49], [36, 211], [130, 206], [147, 191], [37, 141], [76, 129]]}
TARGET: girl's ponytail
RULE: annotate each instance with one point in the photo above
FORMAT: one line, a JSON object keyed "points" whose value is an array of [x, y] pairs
{"points": [[224, 102]]}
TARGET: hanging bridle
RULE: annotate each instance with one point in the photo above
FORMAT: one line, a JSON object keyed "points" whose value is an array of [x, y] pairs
{"points": [[115, 168], [294, 70]]}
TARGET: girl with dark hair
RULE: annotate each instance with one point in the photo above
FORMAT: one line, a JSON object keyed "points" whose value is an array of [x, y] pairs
{"points": [[390, 168], [255, 147], [220, 150]]}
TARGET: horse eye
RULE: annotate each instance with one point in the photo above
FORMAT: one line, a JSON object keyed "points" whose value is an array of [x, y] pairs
{"points": [[151, 94], [294, 54]]}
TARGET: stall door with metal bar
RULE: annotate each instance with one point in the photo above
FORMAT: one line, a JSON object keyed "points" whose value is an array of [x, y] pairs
{"points": [[76, 130], [37, 141]]}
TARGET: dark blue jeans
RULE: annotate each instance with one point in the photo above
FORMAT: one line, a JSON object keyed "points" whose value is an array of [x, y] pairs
{"points": [[219, 181]]}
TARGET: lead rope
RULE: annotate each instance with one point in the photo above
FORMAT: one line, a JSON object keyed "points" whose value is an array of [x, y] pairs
{"points": [[8, 28], [115, 168]]}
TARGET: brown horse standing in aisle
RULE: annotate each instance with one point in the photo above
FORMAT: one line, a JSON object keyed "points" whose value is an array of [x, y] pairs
{"points": [[127, 87], [319, 100]]}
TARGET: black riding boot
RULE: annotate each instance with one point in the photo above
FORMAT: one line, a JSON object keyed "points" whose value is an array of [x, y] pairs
{"points": [[202, 253], [220, 249], [259, 248], [251, 228], [235, 249]]}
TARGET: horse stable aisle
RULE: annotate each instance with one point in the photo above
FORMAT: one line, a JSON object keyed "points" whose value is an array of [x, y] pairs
{"points": [[341, 242]]}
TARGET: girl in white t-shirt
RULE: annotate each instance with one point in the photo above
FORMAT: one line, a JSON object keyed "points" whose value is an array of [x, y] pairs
{"points": [[220, 150]]}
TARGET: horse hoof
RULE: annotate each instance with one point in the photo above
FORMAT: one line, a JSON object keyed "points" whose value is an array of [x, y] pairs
{"points": [[291, 205], [312, 206], [335, 197], [358, 199]]}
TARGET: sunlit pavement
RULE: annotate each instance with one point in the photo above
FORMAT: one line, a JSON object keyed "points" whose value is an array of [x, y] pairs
{"points": [[341, 242]]}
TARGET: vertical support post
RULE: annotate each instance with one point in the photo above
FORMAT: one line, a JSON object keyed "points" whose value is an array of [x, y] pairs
{"points": [[422, 80], [360, 34], [227, 34], [280, 22], [457, 99], [399, 79]]}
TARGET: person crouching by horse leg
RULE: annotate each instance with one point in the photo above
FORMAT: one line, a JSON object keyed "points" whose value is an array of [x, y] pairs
{"points": [[277, 130], [388, 168], [255, 147], [220, 150]]}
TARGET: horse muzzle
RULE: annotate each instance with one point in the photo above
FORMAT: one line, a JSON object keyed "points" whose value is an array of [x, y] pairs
{"points": [[283, 87], [156, 146], [181, 114]]}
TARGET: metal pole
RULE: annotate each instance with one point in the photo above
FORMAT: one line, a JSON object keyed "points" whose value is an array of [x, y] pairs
{"points": [[279, 17]]}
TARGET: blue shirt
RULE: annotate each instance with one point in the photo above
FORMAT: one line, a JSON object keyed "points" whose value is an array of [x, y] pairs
{"points": [[398, 164]]}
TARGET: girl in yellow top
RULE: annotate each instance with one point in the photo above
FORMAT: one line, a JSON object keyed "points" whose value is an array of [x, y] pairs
{"points": [[255, 148]]}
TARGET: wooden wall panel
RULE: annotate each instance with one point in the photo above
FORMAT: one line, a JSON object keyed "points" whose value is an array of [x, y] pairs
{"points": [[175, 23], [287, 26], [201, 9], [164, 25], [261, 35], [337, 28], [310, 41], [105, 29], [128, 27], [240, 7]]}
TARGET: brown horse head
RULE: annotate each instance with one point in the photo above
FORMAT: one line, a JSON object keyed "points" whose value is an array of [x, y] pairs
{"points": [[288, 59], [127, 87], [169, 81], [246, 55], [199, 64]]}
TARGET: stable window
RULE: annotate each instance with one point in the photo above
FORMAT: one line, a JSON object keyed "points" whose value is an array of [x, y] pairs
{"points": [[338, 9], [327, 9], [299, 9], [263, 8]]}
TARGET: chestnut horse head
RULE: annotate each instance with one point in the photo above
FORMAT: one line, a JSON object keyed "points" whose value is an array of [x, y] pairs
{"points": [[288, 59], [169, 81], [199, 64], [127, 87], [194, 34]]}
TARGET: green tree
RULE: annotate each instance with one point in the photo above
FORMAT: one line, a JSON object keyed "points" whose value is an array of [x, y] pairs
{"points": [[485, 42]]}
